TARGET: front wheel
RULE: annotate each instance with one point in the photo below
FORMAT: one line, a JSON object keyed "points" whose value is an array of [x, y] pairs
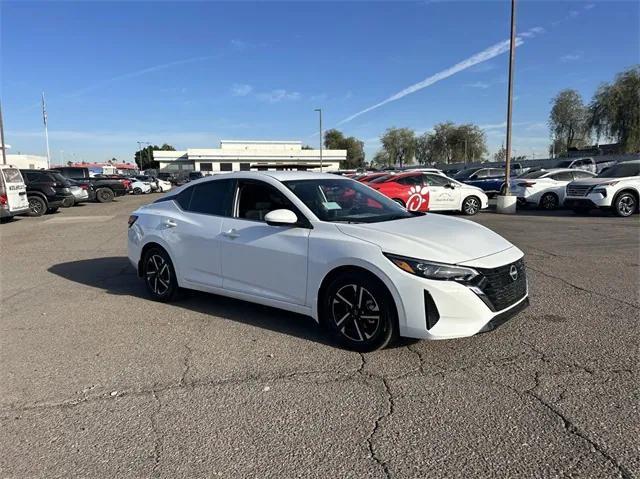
{"points": [[159, 275], [37, 206], [549, 201], [137, 191], [625, 205], [359, 312], [471, 205]]}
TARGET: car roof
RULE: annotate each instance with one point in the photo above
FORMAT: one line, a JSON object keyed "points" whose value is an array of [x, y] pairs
{"points": [[281, 175]]}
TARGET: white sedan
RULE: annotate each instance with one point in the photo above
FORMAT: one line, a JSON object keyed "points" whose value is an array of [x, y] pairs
{"points": [[140, 187], [331, 248], [545, 188], [447, 194]]}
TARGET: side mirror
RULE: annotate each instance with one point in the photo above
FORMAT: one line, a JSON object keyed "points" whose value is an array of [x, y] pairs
{"points": [[281, 218]]}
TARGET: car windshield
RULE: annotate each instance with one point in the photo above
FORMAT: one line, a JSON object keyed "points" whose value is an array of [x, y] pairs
{"points": [[621, 170], [346, 201]]}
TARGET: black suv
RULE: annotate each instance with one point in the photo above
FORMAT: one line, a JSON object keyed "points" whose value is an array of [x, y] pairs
{"points": [[47, 191]]}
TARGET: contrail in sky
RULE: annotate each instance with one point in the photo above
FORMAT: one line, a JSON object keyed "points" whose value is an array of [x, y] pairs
{"points": [[486, 54]]}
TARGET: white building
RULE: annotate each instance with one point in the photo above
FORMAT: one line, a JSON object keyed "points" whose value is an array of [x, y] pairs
{"points": [[31, 162], [249, 155]]}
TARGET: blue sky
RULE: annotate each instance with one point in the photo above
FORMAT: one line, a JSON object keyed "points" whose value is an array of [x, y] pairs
{"points": [[192, 73]]}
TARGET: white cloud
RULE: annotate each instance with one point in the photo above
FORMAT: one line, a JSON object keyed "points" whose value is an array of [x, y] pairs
{"points": [[277, 95], [239, 44], [241, 89], [589, 6], [480, 57], [571, 57], [479, 84]]}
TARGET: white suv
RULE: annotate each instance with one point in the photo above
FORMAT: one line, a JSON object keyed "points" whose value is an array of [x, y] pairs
{"points": [[617, 188]]}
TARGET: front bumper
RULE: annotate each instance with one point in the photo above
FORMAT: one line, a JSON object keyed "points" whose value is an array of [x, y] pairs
{"points": [[593, 200], [461, 310]]}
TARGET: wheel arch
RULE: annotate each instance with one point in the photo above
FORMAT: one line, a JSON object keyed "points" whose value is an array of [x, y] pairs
{"points": [[147, 247], [631, 191], [360, 269]]}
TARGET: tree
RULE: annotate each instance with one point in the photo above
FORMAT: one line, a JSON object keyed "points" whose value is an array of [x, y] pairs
{"points": [[449, 142], [307, 147], [335, 140], [381, 158], [400, 145], [501, 154], [568, 120], [614, 111], [144, 158]]}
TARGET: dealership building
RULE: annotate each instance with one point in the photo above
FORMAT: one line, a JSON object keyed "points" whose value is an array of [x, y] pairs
{"points": [[249, 155]]}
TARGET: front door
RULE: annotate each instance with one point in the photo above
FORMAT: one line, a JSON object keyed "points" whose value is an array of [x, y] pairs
{"points": [[262, 260], [443, 193]]}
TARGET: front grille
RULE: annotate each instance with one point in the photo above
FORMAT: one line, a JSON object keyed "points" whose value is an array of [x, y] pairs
{"points": [[578, 190], [499, 286]]}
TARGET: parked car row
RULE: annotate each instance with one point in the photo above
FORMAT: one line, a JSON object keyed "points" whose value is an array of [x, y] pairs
{"points": [[37, 192]]}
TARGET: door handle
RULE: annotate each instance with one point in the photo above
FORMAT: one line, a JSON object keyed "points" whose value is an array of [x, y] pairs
{"points": [[169, 223], [232, 233]]}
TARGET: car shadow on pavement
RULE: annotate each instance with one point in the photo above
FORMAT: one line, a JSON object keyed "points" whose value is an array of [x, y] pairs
{"points": [[116, 276]]}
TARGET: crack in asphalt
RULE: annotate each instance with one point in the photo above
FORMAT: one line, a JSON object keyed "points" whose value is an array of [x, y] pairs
{"points": [[157, 436], [580, 288], [187, 365]]}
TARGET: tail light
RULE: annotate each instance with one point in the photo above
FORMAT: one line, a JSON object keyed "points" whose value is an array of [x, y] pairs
{"points": [[3, 199], [132, 220], [527, 184], [84, 187]]}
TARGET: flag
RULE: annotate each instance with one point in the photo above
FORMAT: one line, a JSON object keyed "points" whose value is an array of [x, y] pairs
{"points": [[44, 111]]}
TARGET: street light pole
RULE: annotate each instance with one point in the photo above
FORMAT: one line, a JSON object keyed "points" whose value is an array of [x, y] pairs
{"points": [[4, 147], [512, 48], [319, 110]]}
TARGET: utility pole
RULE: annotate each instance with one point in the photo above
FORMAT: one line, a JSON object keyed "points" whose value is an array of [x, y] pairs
{"points": [[512, 48], [319, 110], [4, 146]]}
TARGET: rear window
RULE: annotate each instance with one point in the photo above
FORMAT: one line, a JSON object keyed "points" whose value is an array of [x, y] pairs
{"points": [[534, 174], [12, 175]]}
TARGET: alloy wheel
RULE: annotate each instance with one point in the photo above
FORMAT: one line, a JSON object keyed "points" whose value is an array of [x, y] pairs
{"points": [[549, 202], [158, 275], [471, 206], [626, 205], [36, 206], [355, 312]]}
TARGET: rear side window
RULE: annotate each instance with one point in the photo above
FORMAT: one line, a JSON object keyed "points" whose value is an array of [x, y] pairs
{"points": [[563, 176], [410, 180], [581, 174], [12, 175], [210, 198]]}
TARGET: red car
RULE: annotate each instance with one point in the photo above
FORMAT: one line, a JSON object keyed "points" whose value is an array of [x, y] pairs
{"points": [[371, 176], [407, 189]]}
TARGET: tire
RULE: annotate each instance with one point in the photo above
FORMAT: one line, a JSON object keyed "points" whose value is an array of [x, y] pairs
{"points": [[159, 275], [104, 195], [471, 205], [625, 205], [52, 210], [549, 201], [37, 206], [345, 304], [137, 191], [160, 190], [400, 202]]}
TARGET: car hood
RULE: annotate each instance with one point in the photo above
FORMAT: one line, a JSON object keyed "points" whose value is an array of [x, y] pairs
{"points": [[430, 237]]}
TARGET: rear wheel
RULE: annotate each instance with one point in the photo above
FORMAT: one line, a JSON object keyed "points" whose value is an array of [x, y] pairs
{"points": [[104, 195], [37, 206], [549, 201], [159, 275], [137, 191], [471, 205], [625, 205], [359, 312]]}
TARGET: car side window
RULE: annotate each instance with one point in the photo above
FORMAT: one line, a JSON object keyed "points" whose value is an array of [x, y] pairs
{"points": [[209, 198], [581, 174], [410, 180], [563, 176], [435, 180], [480, 174], [257, 198], [495, 172]]}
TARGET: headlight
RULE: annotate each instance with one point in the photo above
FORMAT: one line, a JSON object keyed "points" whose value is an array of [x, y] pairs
{"points": [[602, 191], [431, 270]]}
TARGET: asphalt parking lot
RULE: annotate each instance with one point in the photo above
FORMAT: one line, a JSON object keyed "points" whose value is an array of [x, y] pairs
{"points": [[98, 381]]}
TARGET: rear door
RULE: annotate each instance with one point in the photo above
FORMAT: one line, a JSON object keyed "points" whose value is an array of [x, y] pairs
{"points": [[194, 233], [559, 183], [262, 260], [15, 189]]}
